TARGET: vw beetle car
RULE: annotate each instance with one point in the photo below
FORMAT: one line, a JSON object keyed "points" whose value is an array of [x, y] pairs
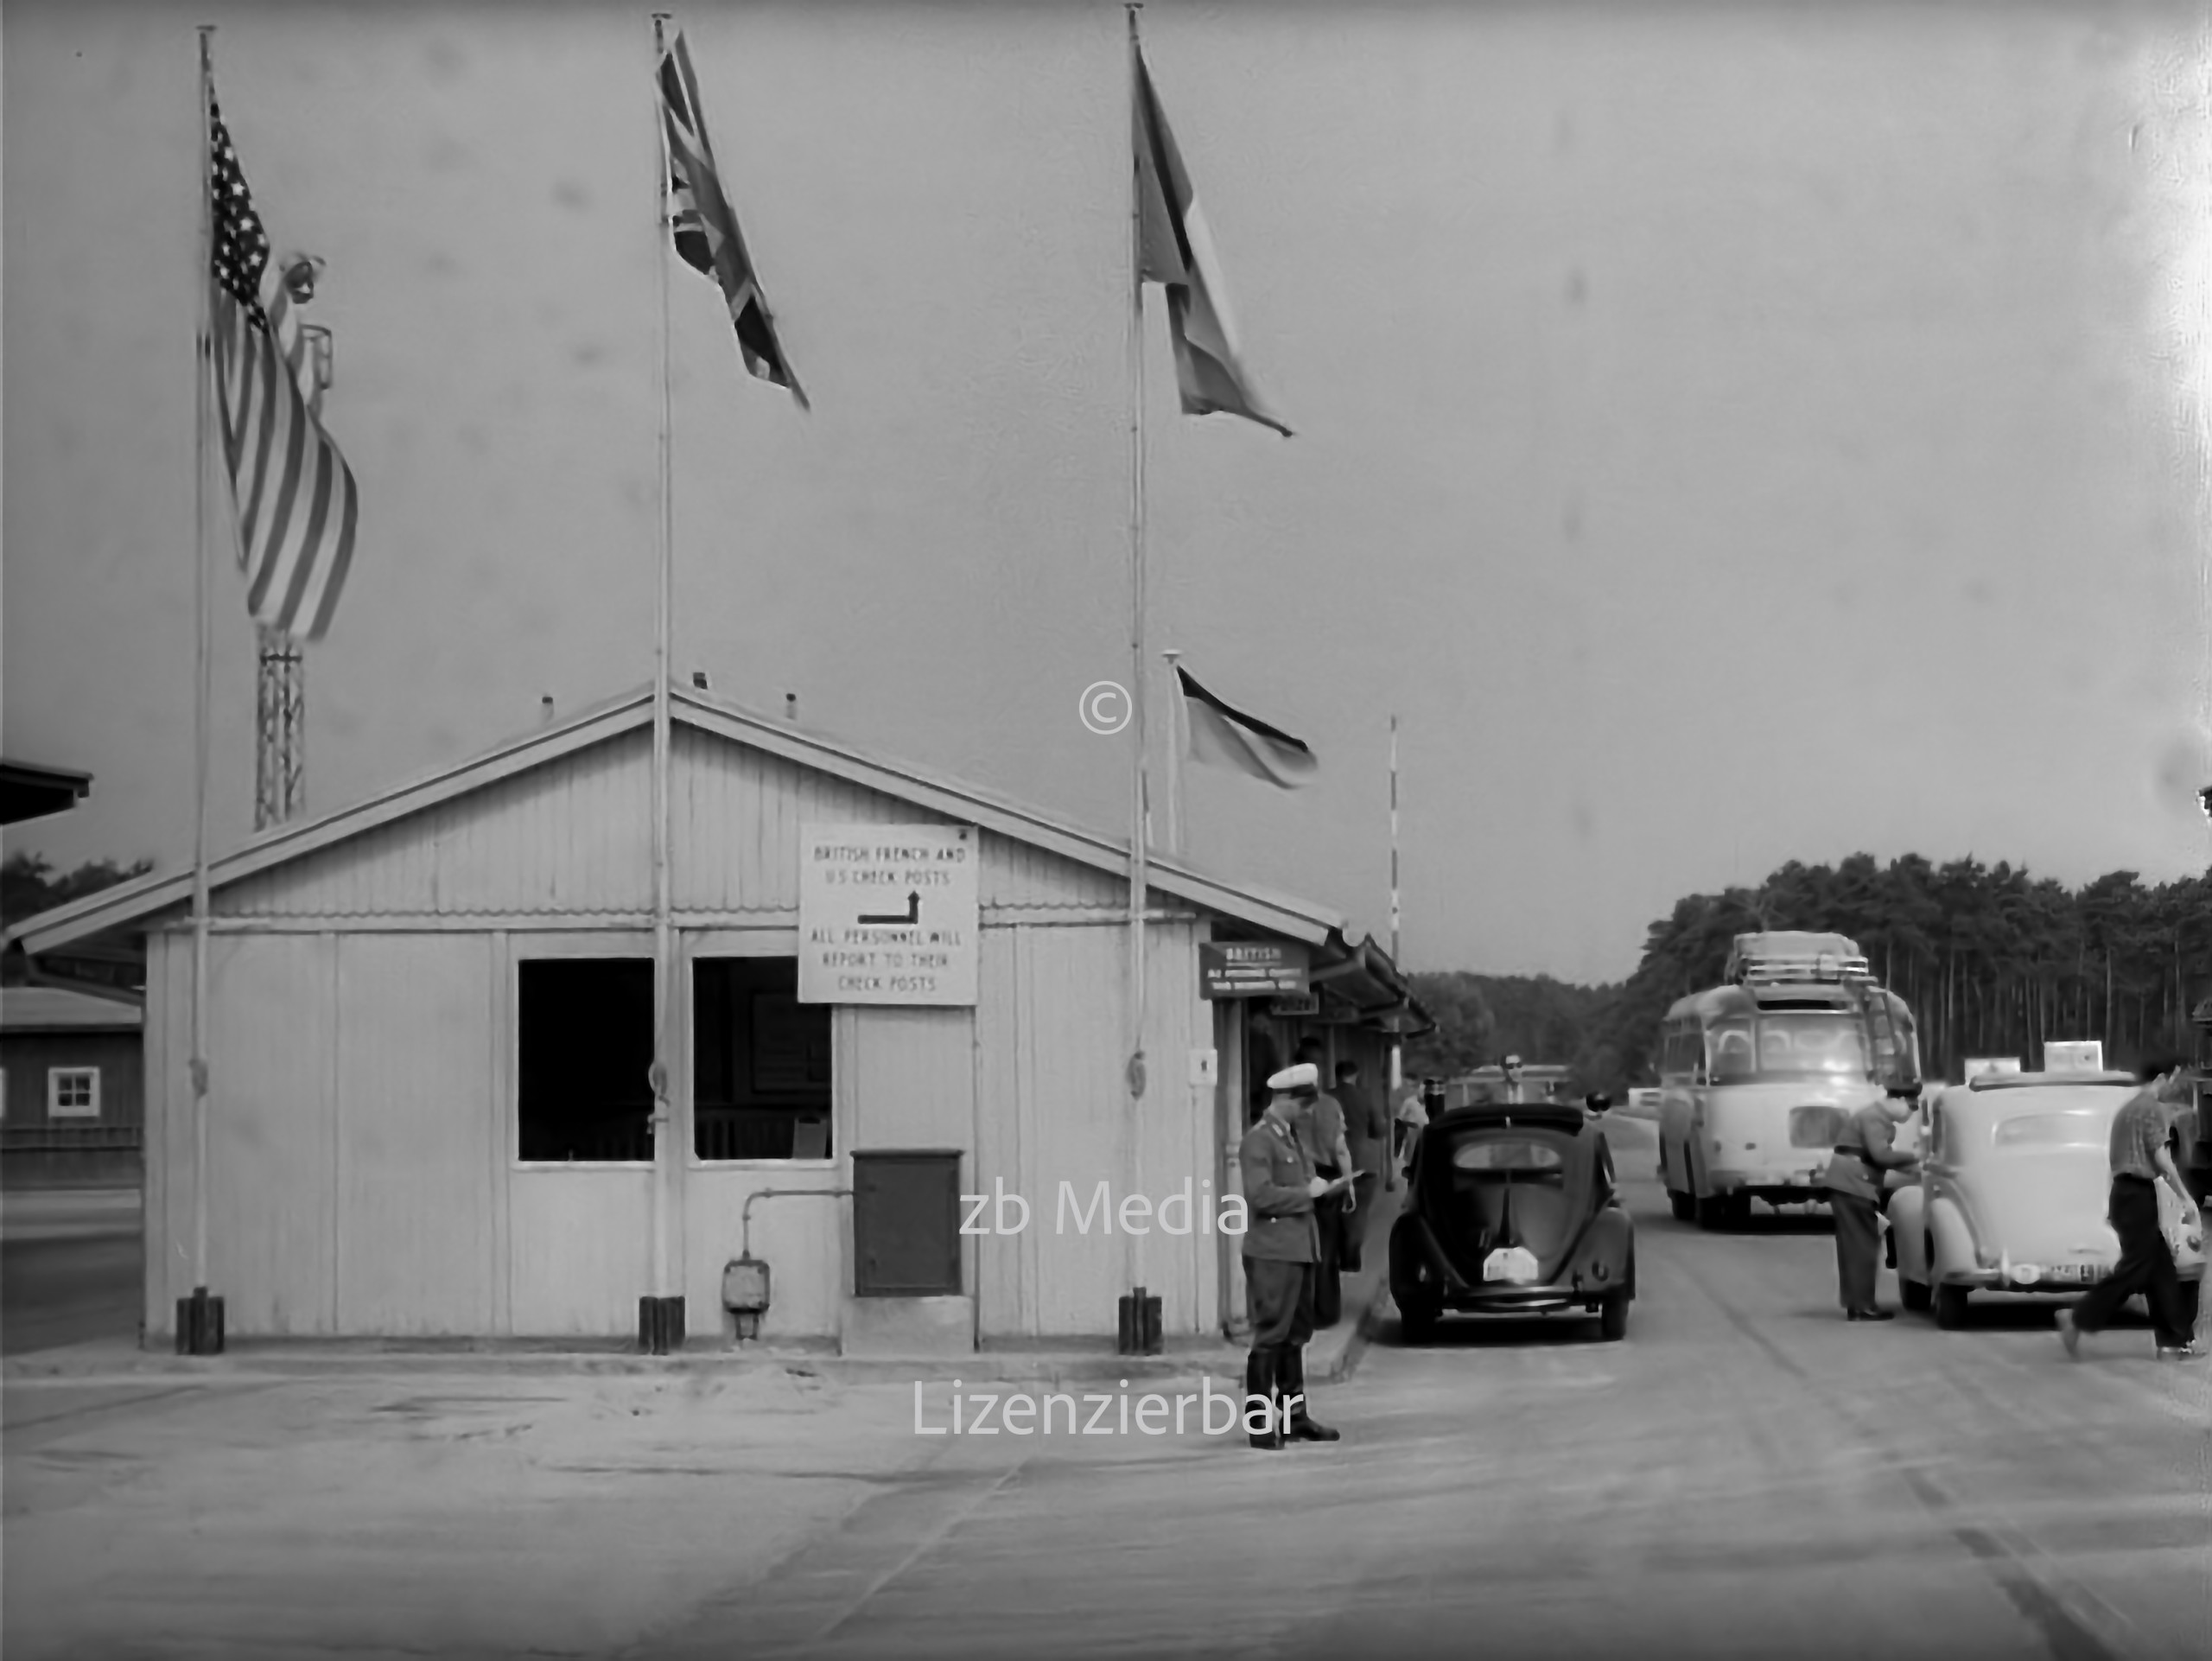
{"points": [[2016, 1169], [1513, 1209]]}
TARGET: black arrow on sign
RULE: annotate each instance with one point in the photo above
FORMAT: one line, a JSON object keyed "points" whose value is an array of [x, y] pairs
{"points": [[914, 914]]}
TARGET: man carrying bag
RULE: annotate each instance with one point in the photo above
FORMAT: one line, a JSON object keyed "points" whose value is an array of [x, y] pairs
{"points": [[2141, 1163]]}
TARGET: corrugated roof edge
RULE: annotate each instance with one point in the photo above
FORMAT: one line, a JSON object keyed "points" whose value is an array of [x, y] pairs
{"points": [[134, 902]]}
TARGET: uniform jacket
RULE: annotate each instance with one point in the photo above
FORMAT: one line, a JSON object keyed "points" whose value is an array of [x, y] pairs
{"points": [[1275, 1171], [1869, 1140]]}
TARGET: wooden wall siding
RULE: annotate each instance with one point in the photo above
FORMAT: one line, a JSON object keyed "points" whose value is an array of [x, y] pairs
{"points": [[1069, 1105], [802, 1240], [574, 836], [736, 819], [1016, 874], [413, 1220], [1005, 1280], [1050, 1107], [169, 1131], [579, 1255], [1176, 1118], [906, 1077], [735, 815], [270, 1134]]}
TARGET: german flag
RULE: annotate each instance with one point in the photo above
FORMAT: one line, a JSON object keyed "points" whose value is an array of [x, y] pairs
{"points": [[1228, 738]]}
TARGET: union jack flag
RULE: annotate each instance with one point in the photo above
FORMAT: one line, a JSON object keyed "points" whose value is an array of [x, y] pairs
{"points": [[293, 495], [705, 227]]}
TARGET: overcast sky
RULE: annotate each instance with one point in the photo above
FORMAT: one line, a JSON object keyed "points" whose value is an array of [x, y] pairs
{"points": [[1726, 433]]}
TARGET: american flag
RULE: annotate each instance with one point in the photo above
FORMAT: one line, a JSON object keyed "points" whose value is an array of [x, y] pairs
{"points": [[297, 505], [705, 227]]}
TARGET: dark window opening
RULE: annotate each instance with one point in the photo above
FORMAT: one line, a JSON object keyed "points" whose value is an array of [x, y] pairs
{"points": [[587, 1049], [760, 1063]]}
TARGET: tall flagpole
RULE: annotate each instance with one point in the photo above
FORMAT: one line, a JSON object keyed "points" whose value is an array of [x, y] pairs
{"points": [[657, 1335], [194, 1335], [1139, 669], [1171, 835], [1397, 1045]]}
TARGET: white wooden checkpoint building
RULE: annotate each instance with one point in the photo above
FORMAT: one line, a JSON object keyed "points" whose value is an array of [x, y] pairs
{"points": [[432, 1018]]}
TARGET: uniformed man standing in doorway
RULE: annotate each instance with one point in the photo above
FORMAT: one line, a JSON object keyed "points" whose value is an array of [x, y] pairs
{"points": [[1281, 1247]]}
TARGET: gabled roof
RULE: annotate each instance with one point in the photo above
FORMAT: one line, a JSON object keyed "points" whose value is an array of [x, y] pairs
{"points": [[132, 905]]}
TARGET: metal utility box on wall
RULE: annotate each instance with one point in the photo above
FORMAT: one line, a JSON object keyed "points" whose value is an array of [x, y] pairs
{"points": [[907, 1223]]}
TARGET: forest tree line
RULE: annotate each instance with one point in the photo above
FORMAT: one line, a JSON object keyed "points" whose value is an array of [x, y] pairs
{"points": [[1993, 961]]}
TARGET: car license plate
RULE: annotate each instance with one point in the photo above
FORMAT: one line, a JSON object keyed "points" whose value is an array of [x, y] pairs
{"points": [[1510, 1263], [2073, 1272]]}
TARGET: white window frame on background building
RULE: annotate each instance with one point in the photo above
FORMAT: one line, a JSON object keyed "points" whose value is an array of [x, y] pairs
{"points": [[59, 1078]]}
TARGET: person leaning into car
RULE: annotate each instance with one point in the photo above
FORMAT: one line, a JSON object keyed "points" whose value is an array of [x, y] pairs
{"points": [[2140, 1159], [1281, 1247], [1864, 1154]]}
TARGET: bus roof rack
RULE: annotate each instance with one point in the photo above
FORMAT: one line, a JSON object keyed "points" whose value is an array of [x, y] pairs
{"points": [[2029, 1080], [1796, 956]]}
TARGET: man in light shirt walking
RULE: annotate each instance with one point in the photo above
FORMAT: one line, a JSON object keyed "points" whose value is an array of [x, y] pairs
{"points": [[2140, 1161]]}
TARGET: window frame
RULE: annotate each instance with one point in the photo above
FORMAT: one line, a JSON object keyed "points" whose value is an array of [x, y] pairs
{"points": [[54, 1078], [712, 942]]}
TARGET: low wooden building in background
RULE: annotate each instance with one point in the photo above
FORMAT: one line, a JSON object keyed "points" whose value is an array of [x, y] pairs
{"points": [[432, 1018], [72, 1089]]}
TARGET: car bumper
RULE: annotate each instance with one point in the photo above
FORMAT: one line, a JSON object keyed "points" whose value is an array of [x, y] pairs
{"points": [[1497, 1299], [1798, 1178], [2017, 1279]]}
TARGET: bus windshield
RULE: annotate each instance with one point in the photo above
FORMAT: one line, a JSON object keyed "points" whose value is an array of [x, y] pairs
{"points": [[1816, 1045]]}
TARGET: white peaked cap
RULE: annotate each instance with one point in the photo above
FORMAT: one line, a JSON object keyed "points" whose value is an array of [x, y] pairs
{"points": [[1304, 1076]]}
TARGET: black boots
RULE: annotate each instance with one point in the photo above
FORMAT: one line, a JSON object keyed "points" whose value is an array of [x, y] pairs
{"points": [[1290, 1380], [1260, 1381], [1277, 1376]]}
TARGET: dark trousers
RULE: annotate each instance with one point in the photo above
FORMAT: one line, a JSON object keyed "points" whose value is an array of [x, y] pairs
{"points": [[1280, 1297], [1328, 1274], [1351, 1254], [2144, 1266], [1858, 1247]]}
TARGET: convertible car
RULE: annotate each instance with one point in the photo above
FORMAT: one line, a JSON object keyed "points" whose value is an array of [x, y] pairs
{"points": [[2014, 1177], [1513, 1209]]}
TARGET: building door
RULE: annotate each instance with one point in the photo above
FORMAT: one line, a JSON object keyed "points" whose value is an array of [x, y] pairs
{"points": [[580, 1144]]}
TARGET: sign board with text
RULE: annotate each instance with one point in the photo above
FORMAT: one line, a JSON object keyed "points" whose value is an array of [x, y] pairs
{"points": [[2076, 1055], [887, 914], [1239, 969]]}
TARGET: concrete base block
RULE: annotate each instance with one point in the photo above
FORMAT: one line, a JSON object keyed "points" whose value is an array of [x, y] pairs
{"points": [[901, 1326]]}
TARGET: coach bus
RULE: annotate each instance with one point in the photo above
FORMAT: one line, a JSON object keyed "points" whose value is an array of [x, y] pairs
{"points": [[1759, 1076]]}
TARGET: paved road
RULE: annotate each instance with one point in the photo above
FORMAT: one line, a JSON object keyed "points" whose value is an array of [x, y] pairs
{"points": [[1746, 1475], [70, 1267]]}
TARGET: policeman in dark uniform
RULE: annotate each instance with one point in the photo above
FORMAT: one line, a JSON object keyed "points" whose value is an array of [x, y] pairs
{"points": [[1282, 1246]]}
